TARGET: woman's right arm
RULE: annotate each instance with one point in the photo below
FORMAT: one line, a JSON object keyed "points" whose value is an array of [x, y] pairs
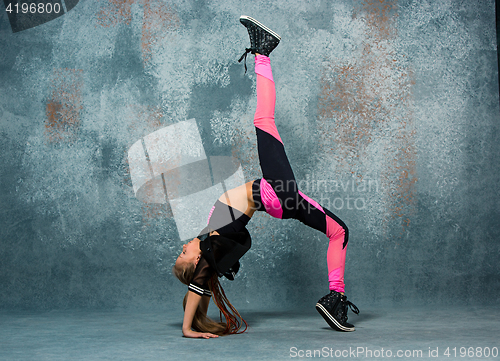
{"points": [[192, 302]]}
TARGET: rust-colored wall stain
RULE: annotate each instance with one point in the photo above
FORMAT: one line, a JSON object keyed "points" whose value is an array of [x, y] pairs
{"points": [[159, 19], [365, 108], [143, 119], [152, 211], [116, 12], [64, 105]]}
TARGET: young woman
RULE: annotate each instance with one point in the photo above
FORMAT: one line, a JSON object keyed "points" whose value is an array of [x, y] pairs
{"points": [[216, 251]]}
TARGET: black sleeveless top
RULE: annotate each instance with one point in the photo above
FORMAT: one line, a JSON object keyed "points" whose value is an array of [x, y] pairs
{"points": [[220, 251], [225, 219]]}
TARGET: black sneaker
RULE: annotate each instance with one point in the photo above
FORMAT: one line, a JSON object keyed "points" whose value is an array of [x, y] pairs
{"points": [[333, 308], [262, 39]]}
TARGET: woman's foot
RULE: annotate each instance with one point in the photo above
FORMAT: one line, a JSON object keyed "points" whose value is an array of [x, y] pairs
{"points": [[262, 39], [333, 307]]}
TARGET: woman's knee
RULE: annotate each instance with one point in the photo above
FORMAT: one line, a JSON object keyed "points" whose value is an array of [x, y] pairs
{"points": [[335, 228]]}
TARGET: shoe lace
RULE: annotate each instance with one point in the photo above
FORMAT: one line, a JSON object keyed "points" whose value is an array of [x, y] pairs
{"points": [[345, 305], [244, 56], [352, 306]]}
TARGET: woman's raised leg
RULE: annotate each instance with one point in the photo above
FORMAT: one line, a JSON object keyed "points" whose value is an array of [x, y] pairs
{"points": [[281, 198], [277, 192]]}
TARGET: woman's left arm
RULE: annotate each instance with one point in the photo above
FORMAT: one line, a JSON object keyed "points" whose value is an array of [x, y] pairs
{"points": [[192, 302]]}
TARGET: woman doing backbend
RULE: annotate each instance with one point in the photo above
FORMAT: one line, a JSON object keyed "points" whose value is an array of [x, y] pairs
{"points": [[220, 245]]}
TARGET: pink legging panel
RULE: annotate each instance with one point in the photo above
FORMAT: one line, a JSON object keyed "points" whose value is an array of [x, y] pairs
{"points": [[266, 97]]}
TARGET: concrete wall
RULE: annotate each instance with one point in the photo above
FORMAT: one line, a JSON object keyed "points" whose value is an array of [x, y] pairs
{"points": [[389, 111]]}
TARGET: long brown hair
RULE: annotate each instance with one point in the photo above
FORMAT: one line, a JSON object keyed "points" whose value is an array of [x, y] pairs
{"points": [[230, 319]]}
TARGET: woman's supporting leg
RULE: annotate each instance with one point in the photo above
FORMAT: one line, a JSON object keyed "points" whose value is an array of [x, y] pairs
{"points": [[312, 214], [333, 306]]}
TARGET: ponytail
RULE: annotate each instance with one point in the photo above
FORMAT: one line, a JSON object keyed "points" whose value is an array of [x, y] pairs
{"points": [[233, 319]]}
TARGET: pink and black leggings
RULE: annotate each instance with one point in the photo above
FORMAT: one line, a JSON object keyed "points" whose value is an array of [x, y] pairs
{"points": [[277, 192]]}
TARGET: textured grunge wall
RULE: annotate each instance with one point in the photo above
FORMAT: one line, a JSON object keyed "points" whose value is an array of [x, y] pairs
{"points": [[114, 115]]}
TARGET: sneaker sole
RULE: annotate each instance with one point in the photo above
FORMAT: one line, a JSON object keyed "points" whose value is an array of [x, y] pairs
{"points": [[332, 321], [262, 26]]}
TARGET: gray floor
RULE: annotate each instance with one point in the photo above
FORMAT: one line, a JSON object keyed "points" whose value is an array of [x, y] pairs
{"points": [[380, 333]]}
